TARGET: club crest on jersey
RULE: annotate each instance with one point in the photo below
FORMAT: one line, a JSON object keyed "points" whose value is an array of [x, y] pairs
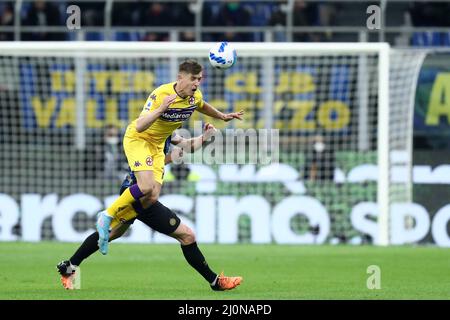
{"points": [[177, 114], [149, 161], [191, 100]]}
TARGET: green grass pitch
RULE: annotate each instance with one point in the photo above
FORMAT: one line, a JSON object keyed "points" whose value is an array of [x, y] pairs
{"points": [[279, 272]]}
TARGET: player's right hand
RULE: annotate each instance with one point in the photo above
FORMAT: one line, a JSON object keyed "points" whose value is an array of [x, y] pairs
{"points": [[176, 156], [234, 115], [208, 131], [167, 101]]}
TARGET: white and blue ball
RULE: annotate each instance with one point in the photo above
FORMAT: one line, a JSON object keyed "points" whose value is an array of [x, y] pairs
{"points": [[222, 55]]}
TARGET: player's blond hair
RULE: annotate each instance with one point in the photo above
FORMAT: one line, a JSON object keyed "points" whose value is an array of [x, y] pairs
{"points": [[190, 66]]}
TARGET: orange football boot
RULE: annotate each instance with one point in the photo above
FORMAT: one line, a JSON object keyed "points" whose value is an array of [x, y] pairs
{"points": [[226, 283]]}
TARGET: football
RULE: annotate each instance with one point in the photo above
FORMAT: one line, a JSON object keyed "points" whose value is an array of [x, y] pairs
{"points": [[222, 55]]}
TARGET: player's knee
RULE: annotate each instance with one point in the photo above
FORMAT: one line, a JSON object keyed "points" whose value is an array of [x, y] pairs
{"points": [[154, 197], [184, 235], [146, 188], [150, 199], [188, 237]]}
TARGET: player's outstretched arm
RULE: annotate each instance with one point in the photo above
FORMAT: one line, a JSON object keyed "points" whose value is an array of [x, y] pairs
{"points": [[146, 120], [188, 145], [209, 110], [193, 144]]}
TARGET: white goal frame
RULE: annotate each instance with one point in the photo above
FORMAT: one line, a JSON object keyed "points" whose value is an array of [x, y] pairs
{"points": [[265, 50]]}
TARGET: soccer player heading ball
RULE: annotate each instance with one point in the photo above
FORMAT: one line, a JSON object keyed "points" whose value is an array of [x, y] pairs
{"points": [[164, 111]]}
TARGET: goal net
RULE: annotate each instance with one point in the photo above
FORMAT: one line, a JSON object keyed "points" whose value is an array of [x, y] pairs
{"points": [[336, 119]]}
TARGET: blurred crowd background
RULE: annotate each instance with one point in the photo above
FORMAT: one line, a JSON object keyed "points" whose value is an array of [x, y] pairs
{"points": [[405, 23]]}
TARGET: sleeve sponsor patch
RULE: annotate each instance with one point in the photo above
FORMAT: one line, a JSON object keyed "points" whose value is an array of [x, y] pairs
{"points": [[148, 106]]}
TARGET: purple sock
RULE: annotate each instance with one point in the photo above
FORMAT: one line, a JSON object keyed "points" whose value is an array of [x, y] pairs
{"points": [[136, 192]]}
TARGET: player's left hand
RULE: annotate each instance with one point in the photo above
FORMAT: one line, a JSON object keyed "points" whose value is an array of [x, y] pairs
{"points": [[234, 115]]}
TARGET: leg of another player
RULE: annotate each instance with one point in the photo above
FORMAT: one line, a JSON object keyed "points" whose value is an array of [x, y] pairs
{"points": [[195, 258], [68, 268], [90, 245]]}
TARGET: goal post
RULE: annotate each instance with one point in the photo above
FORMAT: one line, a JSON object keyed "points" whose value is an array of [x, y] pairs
{"points": [[343, 112], [383, 145]]}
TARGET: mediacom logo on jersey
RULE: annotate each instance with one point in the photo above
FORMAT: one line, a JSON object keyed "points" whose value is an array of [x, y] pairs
{"points": [[178, 114]]}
